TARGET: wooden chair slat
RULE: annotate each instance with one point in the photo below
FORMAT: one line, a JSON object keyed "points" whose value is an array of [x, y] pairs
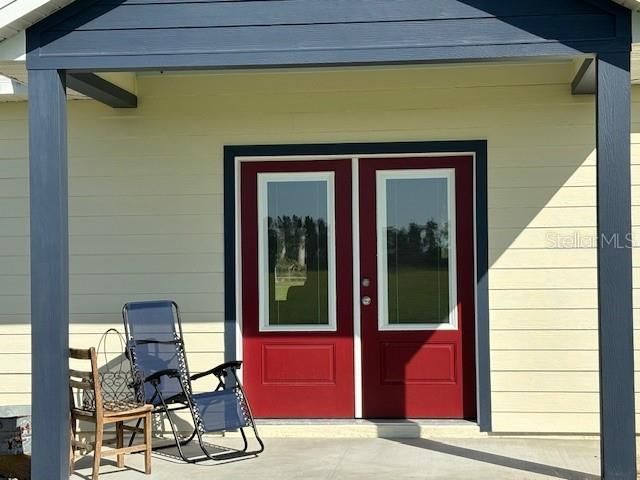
{"points": [[83, 411], [80, 354], [82, 385], [80, 374], [124, 450]]}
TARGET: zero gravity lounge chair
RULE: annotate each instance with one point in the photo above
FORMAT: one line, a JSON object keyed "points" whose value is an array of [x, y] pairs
{"points": [[156, 350]]}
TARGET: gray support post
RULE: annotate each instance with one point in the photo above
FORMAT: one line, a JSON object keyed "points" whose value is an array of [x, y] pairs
{"points": [[49, 274], [615, 313]]}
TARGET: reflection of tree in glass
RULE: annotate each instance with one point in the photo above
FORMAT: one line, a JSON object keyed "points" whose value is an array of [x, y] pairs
{"points": [[297, 245], [298, 261], [419, 245], [417, 261]]}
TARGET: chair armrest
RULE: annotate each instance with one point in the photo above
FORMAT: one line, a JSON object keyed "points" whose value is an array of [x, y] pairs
{"points": [[169, 372], [220, 370]]}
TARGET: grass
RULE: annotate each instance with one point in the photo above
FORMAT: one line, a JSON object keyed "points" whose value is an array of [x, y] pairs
{"points": [[418, 295]]}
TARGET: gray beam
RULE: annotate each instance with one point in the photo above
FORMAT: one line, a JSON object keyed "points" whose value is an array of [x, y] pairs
{"points": [[615, 313], [584, 82], [103, 91], [49, 274]]}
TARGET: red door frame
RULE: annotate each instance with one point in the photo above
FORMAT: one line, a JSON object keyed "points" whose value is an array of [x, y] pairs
{"points": [[239, 161]]}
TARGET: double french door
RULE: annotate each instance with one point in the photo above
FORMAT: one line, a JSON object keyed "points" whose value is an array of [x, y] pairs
{"points": [[414, 284]]}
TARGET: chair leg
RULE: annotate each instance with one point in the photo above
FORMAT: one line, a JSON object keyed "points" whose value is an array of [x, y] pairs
{"points": [[260, 442], [72, 448], [244, 439], [97, 450], [120, 443], [147, 443]]}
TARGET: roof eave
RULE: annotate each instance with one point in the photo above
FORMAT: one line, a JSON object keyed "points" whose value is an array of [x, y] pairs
{"points": [[631, 4]]}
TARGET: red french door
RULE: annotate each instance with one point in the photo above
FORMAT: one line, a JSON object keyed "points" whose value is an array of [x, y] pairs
{"points": [[297, 305], [417, 287]]}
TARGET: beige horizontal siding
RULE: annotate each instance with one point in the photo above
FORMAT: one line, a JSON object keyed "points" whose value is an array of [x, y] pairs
{"points": [[146, 208], [541, 279], [542, 258], [543, 320], [195, 341], [548, 340], [535, 422]]}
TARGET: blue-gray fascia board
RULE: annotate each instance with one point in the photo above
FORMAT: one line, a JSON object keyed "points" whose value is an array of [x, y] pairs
{"points": [[584, 83], [103, 91], [615, 291], [483, 345], [318, 58]]}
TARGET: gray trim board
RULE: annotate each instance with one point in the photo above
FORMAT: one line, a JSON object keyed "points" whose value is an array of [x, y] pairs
{"points": [[479, 147], [103, 91], [230, 246], [615, 310], [316, 58], [49, 274], [483, 347], [584, 82]]}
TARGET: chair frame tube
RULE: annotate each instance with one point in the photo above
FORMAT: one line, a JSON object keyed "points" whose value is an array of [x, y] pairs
{"points": [[168, 408]]}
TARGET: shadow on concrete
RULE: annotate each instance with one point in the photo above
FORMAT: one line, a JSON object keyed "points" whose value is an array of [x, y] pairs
{"points": [[500, 460], [223, 454], [86, 462]]}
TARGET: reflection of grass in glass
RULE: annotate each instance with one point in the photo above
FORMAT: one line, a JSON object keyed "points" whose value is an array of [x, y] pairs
{"points": [[283, 284], [298, 299], [418, 295]]}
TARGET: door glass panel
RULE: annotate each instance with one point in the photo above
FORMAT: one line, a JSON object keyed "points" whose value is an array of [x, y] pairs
{"points": [[297, 260], [416, 246]]}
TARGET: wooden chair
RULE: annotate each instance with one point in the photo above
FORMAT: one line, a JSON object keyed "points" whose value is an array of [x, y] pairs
{"points": [[87, 385]]}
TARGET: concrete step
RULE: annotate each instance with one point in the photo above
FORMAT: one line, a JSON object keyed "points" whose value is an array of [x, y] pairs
{"points": [[368, 429]]}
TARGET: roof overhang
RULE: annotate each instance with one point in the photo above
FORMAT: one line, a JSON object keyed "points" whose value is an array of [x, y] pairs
{"points": [[17, 15], [632, 4]]}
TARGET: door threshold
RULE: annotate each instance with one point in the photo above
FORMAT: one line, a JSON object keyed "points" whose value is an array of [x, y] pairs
{"points": [[367, 428]]}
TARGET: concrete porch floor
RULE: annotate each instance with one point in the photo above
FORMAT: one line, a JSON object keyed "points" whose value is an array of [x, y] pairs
{"points": [[490, 458]]}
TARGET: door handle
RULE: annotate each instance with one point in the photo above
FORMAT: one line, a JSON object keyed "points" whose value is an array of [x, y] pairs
{"points": [[366, 301]]}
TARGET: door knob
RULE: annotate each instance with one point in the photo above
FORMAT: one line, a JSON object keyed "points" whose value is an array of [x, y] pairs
{"points": [[366, 282], [366, 301]]}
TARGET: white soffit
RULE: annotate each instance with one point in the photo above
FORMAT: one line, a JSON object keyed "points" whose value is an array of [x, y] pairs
{"points": [[12, 90], [18, 15]]}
